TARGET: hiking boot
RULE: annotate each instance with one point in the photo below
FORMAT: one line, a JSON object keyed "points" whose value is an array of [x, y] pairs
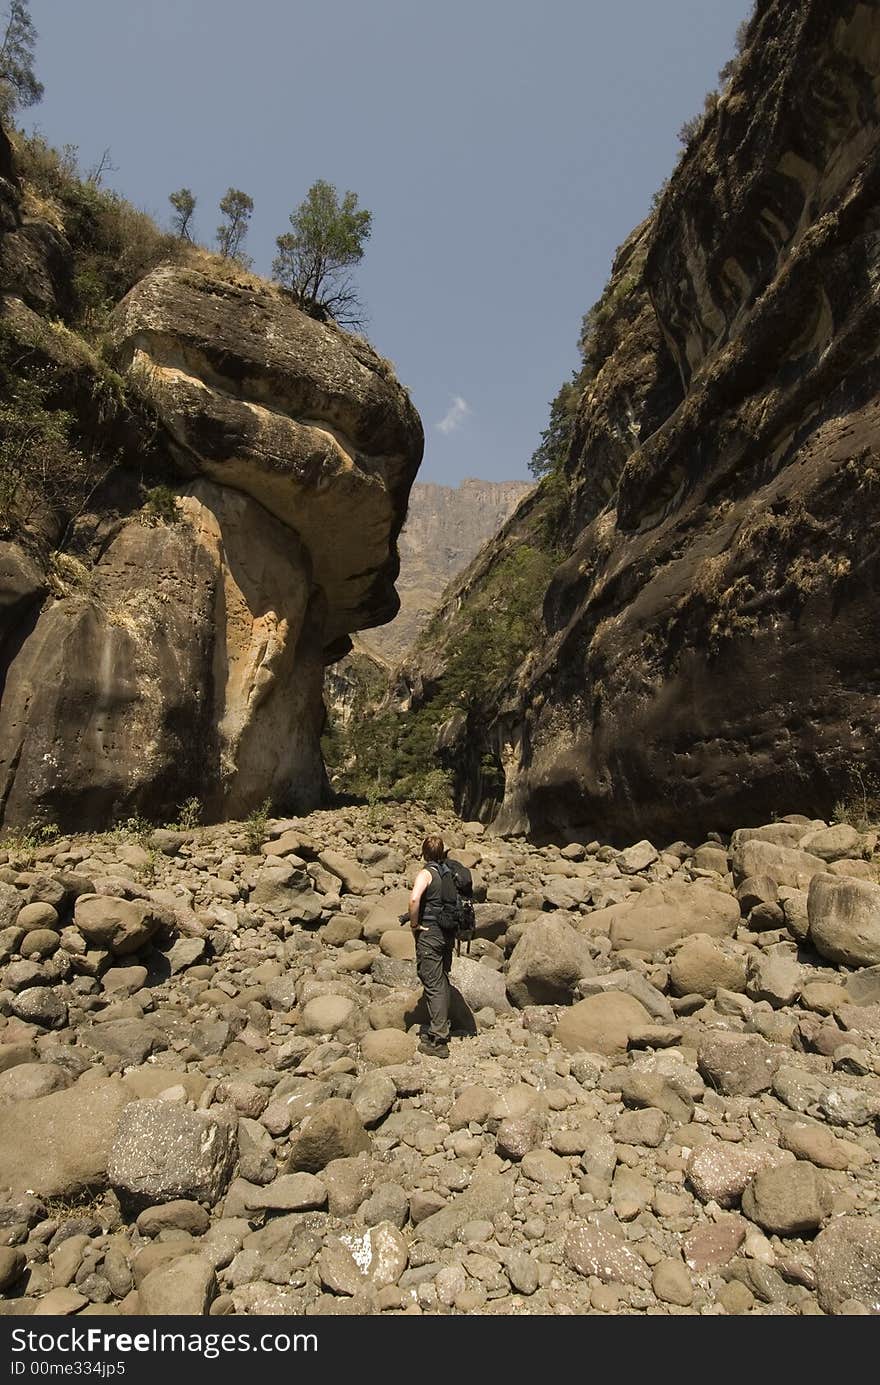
{"points": [[434, 1048]]}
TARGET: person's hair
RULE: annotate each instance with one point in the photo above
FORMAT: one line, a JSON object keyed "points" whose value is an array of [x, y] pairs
{"points": [[433, 849]]}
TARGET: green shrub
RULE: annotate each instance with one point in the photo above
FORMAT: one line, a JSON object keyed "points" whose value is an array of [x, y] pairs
{"points": [[386, 754], [22, 843], [134, 827], [860, 803], [160, 505], [41, 466], [113, 243], [189, 815], [93, 305], [552, 451], [434, 789], [256, 825]]}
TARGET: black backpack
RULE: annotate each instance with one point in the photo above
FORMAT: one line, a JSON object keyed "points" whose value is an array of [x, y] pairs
{"points": [[456, 910]]}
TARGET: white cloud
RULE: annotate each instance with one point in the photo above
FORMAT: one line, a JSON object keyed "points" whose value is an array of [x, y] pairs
{"points": [[455, 415]]}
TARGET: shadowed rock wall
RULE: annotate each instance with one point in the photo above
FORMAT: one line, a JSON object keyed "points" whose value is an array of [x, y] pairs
{"points": [[710, 646]]}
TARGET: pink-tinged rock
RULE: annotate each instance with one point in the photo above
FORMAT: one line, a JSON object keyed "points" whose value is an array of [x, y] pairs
{"points": [[719, 1172], [714, 1244]]}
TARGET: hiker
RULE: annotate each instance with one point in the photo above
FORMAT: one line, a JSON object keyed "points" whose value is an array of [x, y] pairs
{"points": [[433, 947]]}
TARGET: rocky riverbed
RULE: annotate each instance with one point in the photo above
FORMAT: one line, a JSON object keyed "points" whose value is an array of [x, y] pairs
{"points": [[662, 1097]]}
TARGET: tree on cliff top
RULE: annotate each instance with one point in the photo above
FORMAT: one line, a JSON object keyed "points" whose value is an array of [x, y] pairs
{"points": [[326, 239], [184, 204], [236, 206], [18, 82]]}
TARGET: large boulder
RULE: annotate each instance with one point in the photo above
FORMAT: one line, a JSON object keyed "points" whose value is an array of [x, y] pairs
{"points": [[547, 963], [387, 1047], [184, 1288], [353, 876], [164, 1151], [305, 419], [663, 914], [835, 843], [517, 1135], [119, 720], [635, 983], [121, 925], [287, 893], [334, 1131], [472, 1104], [737, 1064], [637, 857], [385, 914], [22, 583], [602, 1023], [863, 987], [702, 965], [776, 978], [596, 1250], [27, 1081], [40, 1005], [374, 1096], [784, 864], [11, 904], [847, 1259], [399, 944], [787, 834], [844, 915], [325, 1014], [790, 1200], [487, 1196], [479, 985], [289, 1192], [60, 1145], [645, 1089], [131, 1041], [720, 1171]]}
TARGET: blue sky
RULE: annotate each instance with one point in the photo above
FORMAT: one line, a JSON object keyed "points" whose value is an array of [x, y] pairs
{"points": [[504, 149]]}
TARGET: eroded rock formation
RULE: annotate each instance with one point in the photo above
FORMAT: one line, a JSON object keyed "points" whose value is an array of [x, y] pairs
{"points": [[301, 416], [176, 648]]}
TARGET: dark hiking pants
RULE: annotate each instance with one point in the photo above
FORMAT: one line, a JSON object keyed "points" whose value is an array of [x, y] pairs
{"points": [[433, 960]]}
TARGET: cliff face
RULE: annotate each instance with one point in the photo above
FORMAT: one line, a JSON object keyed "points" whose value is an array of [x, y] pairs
{"points": [[177, 650], [445, 527], [709, 645]]}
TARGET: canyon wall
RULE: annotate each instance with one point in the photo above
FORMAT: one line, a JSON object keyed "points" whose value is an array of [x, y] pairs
{"points": [[708, 644]]}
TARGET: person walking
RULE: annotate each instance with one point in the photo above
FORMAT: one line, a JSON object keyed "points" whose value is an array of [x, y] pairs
{"points": [[433, 947]]}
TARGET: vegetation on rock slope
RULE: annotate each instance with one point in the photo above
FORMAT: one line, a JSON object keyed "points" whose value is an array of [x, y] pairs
{"points": [[65, 409], [392, 745]]}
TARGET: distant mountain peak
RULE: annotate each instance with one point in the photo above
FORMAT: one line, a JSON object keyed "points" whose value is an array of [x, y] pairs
{"points": [[445, 528]]}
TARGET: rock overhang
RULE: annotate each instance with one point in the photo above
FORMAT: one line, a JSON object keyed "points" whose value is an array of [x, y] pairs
{"points": [[303, 417]]}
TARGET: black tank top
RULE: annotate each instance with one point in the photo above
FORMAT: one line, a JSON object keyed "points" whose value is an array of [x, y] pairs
{"points": [[431, 897]]}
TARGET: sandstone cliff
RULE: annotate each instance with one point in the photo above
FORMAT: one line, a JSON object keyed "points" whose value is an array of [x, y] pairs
{"points": [[166, 637], [445, 527], [707, 652]]}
